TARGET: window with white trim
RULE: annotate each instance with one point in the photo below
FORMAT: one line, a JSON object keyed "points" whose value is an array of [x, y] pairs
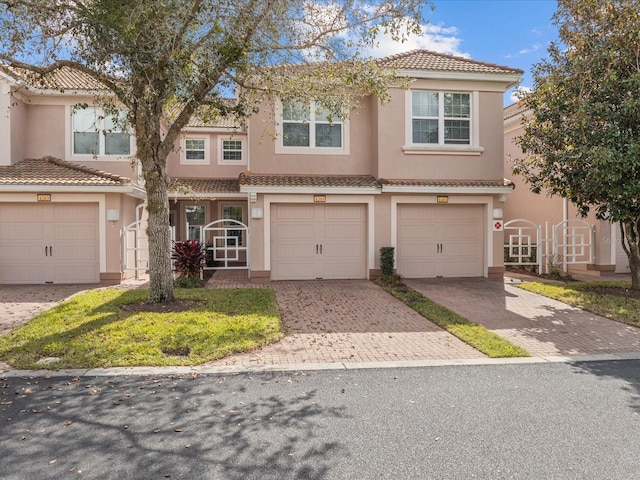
{"points": [[307, 125], [96, 133], [232, 150], [195, 149], [440, 118]]}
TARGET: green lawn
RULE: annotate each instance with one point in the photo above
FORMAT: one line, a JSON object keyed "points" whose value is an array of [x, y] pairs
{"points": [[477, 336], [603, 298], [103, 328]]}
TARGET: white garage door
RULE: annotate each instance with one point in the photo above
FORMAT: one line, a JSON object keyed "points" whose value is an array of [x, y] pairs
{"points": [[311, 241], [440, 241], [622, 259], [49, 243]]}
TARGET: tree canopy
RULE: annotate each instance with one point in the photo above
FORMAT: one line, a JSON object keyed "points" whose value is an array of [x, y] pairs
{"points": [[581, 137], [181, 56]]}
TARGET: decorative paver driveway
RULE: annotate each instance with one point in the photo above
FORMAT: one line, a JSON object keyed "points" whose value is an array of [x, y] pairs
{"points": [[544, 327], [329, 321]]}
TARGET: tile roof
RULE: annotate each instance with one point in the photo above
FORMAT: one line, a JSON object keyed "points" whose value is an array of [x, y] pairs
{"points": [[199, 186], [64, 78], [513, 110], [505, 182], [439, 62], [346, 181], [52, 171]]}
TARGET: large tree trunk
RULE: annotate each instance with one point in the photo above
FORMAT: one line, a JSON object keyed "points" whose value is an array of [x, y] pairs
{"points": [[631, 246], [159, 233]]}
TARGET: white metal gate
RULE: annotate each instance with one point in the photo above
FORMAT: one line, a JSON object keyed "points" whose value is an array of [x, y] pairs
{"points": [[226, 243], [135, 244], [570, 242]]}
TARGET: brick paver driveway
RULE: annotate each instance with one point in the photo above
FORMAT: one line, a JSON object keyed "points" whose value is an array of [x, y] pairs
{"points": [[544, 327], [329, 321]]}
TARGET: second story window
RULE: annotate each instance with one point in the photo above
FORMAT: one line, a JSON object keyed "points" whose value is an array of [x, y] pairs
{"points": [[95, 133], [195, 150], [307, 125], [232, 150], [440, 118]]}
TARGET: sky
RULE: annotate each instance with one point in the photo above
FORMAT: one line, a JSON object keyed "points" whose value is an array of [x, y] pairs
{"points": [[513, 33]]}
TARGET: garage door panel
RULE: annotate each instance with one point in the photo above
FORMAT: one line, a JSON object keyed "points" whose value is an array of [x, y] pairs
{"points": [[51, 242], [440, 240], [333, 246]]}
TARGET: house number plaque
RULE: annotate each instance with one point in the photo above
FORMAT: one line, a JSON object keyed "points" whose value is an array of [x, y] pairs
{"points": [[44, 197], [442, 199], [319, 198]]}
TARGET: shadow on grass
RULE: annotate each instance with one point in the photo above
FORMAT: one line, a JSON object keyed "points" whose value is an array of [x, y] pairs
{"points": [[83, 317]]}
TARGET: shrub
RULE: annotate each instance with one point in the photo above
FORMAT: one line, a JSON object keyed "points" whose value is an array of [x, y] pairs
{"points": [[386, 261], [188, 256]]}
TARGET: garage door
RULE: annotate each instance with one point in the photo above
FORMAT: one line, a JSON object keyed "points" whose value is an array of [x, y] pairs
{"points": [[313, 241], [49, 243], [440, 241]]}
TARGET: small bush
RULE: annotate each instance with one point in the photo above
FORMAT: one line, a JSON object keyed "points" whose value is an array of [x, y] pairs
{"points": [[188, 256], [386, 261]]}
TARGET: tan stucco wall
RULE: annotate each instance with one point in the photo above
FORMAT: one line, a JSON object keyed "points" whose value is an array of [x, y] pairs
{"points": [[176, 167], [396, 163], [18, 114], [262, 147], [46, 131]]}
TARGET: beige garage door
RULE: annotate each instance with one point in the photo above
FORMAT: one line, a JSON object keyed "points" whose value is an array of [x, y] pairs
{"points": [[310, 241], [440, 241], [49, 243]]}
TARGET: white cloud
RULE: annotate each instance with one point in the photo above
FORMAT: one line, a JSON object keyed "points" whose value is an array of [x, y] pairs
{"points": [[525, 51], [437, 38]]}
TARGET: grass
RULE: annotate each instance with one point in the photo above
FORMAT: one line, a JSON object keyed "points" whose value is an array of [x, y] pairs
{"points": [[487, 342], [592, 296], [94, 330]]}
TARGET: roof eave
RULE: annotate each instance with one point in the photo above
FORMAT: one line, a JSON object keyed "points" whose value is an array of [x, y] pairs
{"points": [[132, 190], [509, 78], [311, 190], [447, 189]]}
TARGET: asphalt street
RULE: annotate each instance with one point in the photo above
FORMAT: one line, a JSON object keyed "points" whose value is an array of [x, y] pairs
{"points": [[531, 421]]}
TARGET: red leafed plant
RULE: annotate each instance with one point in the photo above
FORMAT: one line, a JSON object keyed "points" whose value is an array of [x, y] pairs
{"points": [[188, 256]]}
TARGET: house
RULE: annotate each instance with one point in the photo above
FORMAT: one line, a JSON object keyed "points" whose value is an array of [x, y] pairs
{"points": [[585, 246], [422, 173]]}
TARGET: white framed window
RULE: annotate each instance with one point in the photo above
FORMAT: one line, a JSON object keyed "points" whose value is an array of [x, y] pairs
{"points": [[96, 133], [440, 118], [232, 151], [195, 149], [305, 127]]}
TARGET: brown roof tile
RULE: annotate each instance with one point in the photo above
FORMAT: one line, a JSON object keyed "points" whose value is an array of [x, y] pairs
{"points": [[346, 181], [201, 186], [432, 61], [53, 171], [64, 78], [448, 183]]}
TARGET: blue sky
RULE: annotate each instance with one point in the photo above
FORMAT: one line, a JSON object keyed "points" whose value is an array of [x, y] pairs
{"points": [[514, 33]]}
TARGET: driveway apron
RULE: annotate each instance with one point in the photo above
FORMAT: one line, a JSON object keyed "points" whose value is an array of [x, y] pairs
{"points": [[544, 327], [333, 321]]}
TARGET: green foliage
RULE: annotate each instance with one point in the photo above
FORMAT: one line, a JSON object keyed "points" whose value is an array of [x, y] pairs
{"points": [[168, 60], [582, 137], [475, 335], [187, 282], [386, 261], [602, 298], [188, 257], [113, 328]]}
